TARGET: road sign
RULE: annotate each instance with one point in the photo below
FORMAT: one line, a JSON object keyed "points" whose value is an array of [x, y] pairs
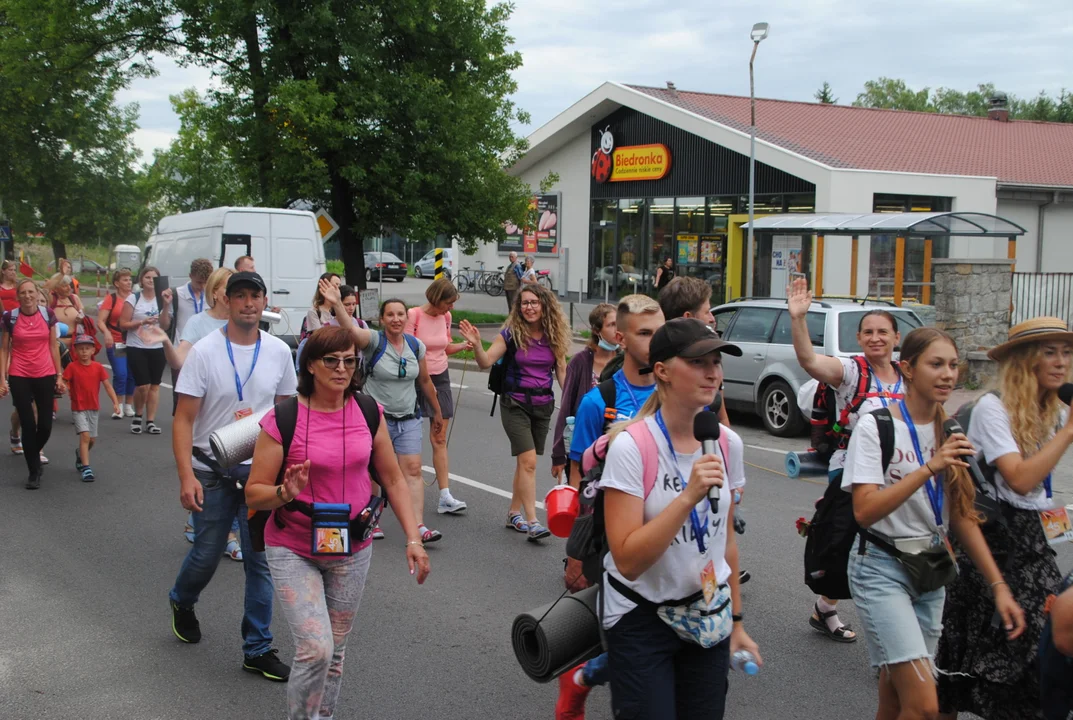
{"points": [[326, 225], [5, 232]]}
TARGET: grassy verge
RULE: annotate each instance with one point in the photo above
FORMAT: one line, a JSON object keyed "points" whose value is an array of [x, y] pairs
{"points": [[477, 317], [467, 354]]}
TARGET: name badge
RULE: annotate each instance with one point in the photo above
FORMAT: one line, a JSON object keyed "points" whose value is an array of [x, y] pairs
{"points": [[243, 410], [1056, 525], [707, 582], [331, 529]]}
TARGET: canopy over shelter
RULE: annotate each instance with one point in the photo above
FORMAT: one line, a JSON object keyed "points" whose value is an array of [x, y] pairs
{"points": [[925, 225]]}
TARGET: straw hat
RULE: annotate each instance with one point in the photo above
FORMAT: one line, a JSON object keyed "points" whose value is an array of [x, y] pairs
{"points": [[1036, 330]]}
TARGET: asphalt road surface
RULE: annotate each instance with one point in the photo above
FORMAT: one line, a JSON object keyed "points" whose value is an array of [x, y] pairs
{"points": [[86, 568]]}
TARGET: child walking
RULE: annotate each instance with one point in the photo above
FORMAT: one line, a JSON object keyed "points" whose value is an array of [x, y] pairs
{"points": [[84, 377]]}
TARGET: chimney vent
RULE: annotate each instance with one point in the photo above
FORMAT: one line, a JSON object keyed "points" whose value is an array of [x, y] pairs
{"points": [[997, 109], [673, 90]]}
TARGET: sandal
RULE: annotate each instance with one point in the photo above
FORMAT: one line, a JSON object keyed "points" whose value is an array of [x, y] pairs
{"points": [[839, 634], [151, 428], [136, 425], [515, 521], [427, 535], [16, 444]]}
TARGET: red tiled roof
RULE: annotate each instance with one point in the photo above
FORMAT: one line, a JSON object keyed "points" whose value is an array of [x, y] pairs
{"points": [[1016, 152]]}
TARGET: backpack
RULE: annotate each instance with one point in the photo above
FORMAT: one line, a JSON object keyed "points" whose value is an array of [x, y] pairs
{"points": [[987, 501], [381, 348], [588, 538], [286, 421], [12, 316], [834, 528], [112, 315], [828, 431]]}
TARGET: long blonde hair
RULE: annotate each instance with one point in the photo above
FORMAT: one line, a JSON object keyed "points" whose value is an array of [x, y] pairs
{"points": [[552, 322], [1032, 421], [962, 491]]}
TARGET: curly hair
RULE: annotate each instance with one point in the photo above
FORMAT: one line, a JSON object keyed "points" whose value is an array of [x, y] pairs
{"points": [[962, 491], [1032, 421], [552, 322]]}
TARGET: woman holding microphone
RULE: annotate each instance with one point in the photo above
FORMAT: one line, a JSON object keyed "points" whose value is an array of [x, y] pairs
{"points": [[1023, 430], [670, 553], [904, 498]]}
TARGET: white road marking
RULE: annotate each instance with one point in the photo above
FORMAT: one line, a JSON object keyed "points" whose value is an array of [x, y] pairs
{"points": [[476, 484], [460, 387]]}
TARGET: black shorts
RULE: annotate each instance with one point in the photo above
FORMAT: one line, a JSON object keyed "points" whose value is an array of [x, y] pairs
{"points": [[147, 366]]}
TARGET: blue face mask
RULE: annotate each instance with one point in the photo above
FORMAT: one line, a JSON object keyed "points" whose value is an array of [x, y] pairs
{"points": [[604, 345]]}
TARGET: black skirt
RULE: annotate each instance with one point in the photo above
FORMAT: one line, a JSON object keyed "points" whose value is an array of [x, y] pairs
{"points": [[1004, 682]]}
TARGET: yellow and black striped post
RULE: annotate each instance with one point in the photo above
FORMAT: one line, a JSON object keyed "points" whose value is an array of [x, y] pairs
{"points": [[439, 263]]}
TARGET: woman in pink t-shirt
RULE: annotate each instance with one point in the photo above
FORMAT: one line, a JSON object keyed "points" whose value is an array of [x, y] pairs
{"points": [[328, 462], [431, 324], [30, 362]]}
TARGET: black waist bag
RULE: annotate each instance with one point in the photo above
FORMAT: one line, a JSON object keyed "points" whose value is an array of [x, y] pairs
{"points": [[928, 570]]}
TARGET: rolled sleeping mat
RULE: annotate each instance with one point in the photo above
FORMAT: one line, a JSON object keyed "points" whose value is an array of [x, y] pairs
{"points": [[804, 464], [233, 444], [547, 645]]}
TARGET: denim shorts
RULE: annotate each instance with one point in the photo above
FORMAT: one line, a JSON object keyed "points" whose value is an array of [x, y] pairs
{"points": [[405, 435], [900, 624]]}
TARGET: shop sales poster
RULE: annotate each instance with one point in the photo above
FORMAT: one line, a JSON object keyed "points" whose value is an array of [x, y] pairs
{"points": [[543, 237]]}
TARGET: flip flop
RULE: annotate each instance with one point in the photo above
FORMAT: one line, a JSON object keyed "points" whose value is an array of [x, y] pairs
{"points": [[838, 634]]}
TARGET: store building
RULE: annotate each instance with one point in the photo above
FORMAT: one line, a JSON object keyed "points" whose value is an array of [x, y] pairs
{"points": [[649, 173]]}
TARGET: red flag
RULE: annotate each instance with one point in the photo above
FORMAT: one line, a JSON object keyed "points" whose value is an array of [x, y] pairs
{"points": [[25, 269]]}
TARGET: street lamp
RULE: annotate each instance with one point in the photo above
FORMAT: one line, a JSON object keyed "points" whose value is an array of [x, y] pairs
{"points": [[759, 32]]}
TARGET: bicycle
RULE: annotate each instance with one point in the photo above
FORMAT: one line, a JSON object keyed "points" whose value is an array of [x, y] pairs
{"points": [[493, 282], [544, 278]]}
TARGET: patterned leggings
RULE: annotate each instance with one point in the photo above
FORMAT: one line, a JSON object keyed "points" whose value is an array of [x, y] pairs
{"points": [[320, 598]]}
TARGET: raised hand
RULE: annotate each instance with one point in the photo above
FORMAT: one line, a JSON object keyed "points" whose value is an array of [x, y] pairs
{"points": [[798, 298], [470, 333], [152, 334], [329, 292], [294, 480]]}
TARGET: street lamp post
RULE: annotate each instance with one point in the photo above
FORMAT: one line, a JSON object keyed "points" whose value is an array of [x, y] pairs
{"points": [[759, 32]]}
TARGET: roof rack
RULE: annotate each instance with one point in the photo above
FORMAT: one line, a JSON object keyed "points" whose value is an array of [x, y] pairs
{"points": [[757, 297], [860, 300]]}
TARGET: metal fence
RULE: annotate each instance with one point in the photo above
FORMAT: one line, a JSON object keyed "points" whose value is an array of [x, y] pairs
{"points": [[1036, 294]]}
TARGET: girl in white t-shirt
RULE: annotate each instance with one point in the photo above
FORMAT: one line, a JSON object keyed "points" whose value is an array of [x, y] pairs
{"points": [[1023, 431], [904, 510], [671, 548]]}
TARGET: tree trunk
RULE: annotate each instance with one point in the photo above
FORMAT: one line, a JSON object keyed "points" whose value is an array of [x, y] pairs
{"points": [[259, 88], [351, 244]]}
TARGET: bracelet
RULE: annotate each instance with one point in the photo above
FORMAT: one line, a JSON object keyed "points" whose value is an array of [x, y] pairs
{"points": [[415, 542], [737, 618], [279, 494], [999, 582], [928, 466]]}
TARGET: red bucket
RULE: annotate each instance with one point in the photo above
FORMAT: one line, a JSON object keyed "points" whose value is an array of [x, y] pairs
{"points": [[562, 504]]}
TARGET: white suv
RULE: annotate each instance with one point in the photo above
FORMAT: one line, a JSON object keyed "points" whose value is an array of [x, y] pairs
{"points": [[426, 266], [766, 378]]}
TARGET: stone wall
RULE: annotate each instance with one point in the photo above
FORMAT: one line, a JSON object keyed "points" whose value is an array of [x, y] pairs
{"points": [[972, 303]]}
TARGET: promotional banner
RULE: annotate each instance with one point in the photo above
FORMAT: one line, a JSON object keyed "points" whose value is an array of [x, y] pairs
{"points": [[543, 237]]}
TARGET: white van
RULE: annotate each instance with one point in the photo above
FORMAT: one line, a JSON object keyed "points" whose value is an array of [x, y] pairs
{"points": [[285, 244]]}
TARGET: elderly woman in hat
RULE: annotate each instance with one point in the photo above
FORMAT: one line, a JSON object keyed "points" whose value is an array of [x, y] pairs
{"points": [[1023, 428]]}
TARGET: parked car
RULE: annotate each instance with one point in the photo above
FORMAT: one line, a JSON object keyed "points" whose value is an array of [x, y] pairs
{"points": [[80, 266], [766, 379], [628, 277], [426, 266], [377, 263]]}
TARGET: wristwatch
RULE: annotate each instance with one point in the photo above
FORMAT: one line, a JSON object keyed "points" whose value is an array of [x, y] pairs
{"points": [[279, 494], [737, 618]]}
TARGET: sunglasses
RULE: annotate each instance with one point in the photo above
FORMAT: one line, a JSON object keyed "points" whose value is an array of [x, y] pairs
{"points": [[402, 367], [332, 362]]}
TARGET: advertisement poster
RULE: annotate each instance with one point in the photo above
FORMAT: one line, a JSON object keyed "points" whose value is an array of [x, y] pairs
{"points": [[711, 252], [687, 249], [543, 238]]}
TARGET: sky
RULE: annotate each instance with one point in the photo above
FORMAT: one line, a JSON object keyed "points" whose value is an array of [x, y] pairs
{"points": [[570, 47]]}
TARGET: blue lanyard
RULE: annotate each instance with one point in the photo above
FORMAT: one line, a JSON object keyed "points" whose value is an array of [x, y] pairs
{"points": [[239, 384], [633, 397], [1047, 486], [879, 388], [700, 531], [198, 307], [934, 487]]}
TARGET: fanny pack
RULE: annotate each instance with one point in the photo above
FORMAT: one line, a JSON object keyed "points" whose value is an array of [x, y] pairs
{"points": [[334, 532], [928, 570], [691, 618]]}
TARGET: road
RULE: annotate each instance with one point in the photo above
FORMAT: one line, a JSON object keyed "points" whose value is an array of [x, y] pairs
{"points": [[87, 567]]}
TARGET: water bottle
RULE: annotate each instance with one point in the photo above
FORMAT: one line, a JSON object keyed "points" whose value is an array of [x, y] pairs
{"points": [[745, 661], [568, 432]]}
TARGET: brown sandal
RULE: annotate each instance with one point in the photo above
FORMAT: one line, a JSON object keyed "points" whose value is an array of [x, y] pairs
{"points": [[839, 634]]}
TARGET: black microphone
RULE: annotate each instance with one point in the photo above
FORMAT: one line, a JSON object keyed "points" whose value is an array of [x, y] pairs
{"points": [[706, 429], [1065, 393], [952, 427]]}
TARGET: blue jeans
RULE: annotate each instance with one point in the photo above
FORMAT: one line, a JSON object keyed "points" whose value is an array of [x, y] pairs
{"points": [[211, 526], [122, 381]]}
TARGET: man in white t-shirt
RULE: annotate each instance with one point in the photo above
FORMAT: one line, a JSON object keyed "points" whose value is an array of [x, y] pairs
{"points": [[231, 373]]}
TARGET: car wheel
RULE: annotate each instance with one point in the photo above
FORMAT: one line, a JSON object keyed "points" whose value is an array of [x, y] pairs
{"points": [[417, 271], [778, 410], [368, 275], [399, 279]]}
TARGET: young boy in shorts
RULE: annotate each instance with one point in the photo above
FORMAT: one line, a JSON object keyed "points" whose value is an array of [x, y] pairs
{"points": [[84, 377]]}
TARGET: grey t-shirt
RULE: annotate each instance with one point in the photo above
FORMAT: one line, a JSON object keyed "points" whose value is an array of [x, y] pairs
{"points": [[199, 326], [397, 394]]}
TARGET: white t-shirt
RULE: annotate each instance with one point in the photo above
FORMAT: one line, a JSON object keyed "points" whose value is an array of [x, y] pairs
{"points": [[200, 326], [846, 393], [677, 573], [989, 431], [864, 466], [209, 375], [186, 308], [143, 308]]}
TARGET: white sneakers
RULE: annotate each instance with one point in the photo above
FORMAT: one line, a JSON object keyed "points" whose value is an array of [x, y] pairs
{"points": [[128, 410], [449, 504]]}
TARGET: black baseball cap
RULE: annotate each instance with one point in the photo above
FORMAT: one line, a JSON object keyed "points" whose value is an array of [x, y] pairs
{"points": [[246, 279], [688, 338]]}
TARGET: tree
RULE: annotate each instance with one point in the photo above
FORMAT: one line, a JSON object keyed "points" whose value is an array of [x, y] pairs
{"points": [[897, 95], [825, 95], [893, 94]]}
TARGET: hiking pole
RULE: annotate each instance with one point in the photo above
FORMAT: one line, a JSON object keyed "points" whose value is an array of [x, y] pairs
{"points": [[457, 398]]}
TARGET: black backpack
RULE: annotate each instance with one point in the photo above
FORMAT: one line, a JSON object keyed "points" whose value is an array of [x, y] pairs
{"points": [[286, 421], [828, 431], [833, 528]]}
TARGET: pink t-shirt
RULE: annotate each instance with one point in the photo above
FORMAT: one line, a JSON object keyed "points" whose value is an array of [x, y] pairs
{"points": [[30, 353], [324, 441], [435, 332]]}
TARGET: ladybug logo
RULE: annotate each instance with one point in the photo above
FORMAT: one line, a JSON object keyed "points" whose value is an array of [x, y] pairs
{"points": [[601, 159]]}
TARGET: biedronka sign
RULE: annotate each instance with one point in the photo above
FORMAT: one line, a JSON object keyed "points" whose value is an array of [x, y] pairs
{"points": [[633, 162]]}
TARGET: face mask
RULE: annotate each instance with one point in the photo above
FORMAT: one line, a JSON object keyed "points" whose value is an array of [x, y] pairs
{"points": [[604, 345]]}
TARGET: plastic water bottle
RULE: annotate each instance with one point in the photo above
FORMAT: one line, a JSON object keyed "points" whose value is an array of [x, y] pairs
{"points": [[745, 661], [568, 432]]}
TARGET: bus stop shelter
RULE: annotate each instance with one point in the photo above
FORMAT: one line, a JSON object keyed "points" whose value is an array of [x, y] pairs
{"points": [[928, 226]]}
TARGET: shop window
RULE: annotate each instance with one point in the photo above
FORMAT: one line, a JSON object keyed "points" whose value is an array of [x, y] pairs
{"points": [[753, 325], [660, 241], [815, 321], [631, 245]]}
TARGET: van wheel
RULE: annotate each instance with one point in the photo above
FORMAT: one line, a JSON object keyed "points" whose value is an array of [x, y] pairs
{"points": [[778, 410], [417, 272], [368, 275]]}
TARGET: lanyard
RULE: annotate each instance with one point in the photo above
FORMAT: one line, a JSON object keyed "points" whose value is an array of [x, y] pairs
{"points": [[1047, 486], [198, 306], [933, 486], [239, 384], [699, 531], [879, 389], [636, 405]]}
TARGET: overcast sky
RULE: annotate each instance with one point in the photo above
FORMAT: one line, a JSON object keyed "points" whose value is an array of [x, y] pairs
{"points": [[569, 47]]}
